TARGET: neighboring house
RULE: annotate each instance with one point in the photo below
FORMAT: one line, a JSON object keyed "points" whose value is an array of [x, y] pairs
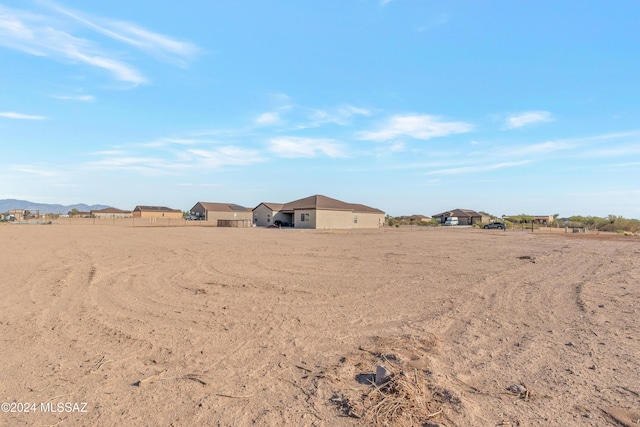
{"points": [[79, 214], [266, 214], [110, 213], [414, 218], [465, 216], [222, 214], [537, 219], [17, 214], [543, 219], [156, 212], [318, 212]]}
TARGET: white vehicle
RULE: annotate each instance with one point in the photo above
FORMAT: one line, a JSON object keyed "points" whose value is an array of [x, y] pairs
{"points": [[452, 220]]}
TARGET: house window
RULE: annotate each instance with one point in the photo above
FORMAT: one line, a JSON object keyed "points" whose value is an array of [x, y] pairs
{"points": [[355, 219], [304, 217], [268, 219]]}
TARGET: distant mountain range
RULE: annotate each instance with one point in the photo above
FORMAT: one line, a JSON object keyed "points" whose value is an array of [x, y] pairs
{"points": [[45, 208]]}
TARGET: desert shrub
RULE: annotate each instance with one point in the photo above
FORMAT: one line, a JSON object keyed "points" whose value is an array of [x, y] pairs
{"points": [[611, 223]]}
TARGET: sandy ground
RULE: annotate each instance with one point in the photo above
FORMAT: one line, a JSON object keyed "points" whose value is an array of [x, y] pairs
{"points": [[182, 326]]}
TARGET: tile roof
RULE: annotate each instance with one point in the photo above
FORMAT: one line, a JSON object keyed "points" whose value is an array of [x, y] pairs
{"points": [[273, 206], [465, 213], [109, 210], [320, 202], [223, 207]]}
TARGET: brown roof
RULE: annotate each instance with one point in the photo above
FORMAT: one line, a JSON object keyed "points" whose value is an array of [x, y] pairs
{"points": [[464, 213], [319, 202], [155, 209], [272, 206], [109, 210], [222, 207], [364, 209]]}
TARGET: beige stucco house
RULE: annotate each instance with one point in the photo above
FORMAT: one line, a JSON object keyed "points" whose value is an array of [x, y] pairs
{"points": [[156, 212], [223, 213], [110, 213], [318, 212]]}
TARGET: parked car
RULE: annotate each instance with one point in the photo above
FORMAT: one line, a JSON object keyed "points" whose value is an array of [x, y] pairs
{"points": [[192, 218], [495, 224]]}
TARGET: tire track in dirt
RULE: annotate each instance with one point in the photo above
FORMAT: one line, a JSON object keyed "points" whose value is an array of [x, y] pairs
{"points": [[209, 326], [508, 350]]}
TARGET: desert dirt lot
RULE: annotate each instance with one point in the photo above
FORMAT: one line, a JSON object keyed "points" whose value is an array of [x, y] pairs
{"points": [[182, 326]]}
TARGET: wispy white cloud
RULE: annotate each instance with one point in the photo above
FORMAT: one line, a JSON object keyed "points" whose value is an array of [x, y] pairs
{"points": [[397, 146], [298, 117], [84, 98], [294, 147], [226, 156], [527, 118], [133, 163], [542, 148], [478, 168], [155, 44], [615, 151], [36, 170], [422, 127], [20, 116], [38, 35], [174, 162], [608, 136], [341, 115], [109, 153], [624, 165], [615, 144], [51, 36], [165, 142], [269, 118]]}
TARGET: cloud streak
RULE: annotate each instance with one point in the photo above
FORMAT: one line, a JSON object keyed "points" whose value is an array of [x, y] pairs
{"points": [[542, 148], [20, 116], [155, 44], [226, 156], [83, 98], [37, 35], [296, 147], [473, 169], [270, 118], [49, 36], [191, 159], [423, 127], [341, 115], [527, 118]]}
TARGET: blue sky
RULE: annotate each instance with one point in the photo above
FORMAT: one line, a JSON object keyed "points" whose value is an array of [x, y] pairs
{"points": [[410, 106]]}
